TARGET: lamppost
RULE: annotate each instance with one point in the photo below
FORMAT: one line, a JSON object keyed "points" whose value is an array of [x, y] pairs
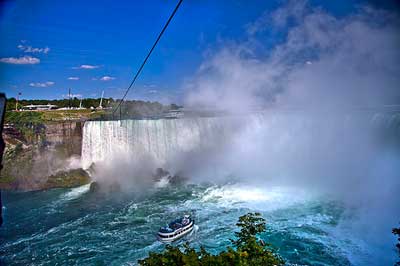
{"points": [[16, 103]]}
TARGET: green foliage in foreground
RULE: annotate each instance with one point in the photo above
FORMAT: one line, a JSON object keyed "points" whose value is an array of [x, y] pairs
{"points": [[246, 250], [396, 231]]}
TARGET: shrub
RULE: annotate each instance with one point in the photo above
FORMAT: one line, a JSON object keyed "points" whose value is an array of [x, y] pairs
{"points": [[396, 231]]}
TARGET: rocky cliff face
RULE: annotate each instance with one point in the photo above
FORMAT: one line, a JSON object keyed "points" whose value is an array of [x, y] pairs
{"points": [[29, 161], [66, 134]]}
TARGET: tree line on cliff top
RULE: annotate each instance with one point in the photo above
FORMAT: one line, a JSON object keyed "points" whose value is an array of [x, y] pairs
{"points": [[88, 103]]}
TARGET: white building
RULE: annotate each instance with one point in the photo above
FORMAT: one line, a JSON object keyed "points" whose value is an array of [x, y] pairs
{"points": [[40, 107]]}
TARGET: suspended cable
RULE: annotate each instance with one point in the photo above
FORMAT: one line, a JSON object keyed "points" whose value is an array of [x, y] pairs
{"points": [[147, 57]]}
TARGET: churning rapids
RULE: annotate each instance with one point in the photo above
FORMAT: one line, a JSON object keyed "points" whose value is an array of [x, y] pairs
{"points": [[312, 178]]}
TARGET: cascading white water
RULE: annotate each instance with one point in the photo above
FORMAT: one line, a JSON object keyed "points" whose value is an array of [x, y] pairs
{"points": [[157, 138]]}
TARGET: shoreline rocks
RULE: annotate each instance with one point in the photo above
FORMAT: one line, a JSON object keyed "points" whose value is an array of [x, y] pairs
{"points": [[62, 179]]}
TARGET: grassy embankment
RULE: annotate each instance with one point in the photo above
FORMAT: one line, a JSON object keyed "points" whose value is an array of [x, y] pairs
{"points": [[53, 115], [32, 123]]}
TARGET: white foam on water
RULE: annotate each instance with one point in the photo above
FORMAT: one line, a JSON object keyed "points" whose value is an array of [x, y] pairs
{"points": [[259, 198], [75, 193], [163, 182]]}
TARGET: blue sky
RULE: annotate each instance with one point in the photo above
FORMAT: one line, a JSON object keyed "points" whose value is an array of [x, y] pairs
{"points": [[90, 46]]}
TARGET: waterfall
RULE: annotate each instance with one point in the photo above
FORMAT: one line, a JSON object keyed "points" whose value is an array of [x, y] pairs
{"points": [[158, 138], [283, 134]]}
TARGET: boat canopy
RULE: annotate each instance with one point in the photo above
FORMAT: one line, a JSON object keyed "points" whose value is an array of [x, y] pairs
{"points": [[175, 225]]}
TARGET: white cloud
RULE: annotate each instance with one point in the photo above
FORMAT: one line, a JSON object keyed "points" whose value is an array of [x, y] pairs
{"points": [[86, 67], [150, 86], [24, 60], [293, 10], [30, 49], [107, 78], [41, 84], [324, 61], [278, 19], [73, 78]]}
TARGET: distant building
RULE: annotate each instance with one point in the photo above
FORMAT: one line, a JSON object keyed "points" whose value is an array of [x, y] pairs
{"points": [[173, 114], [40, 107]]}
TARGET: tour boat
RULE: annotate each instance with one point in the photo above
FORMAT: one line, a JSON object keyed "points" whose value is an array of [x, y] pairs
{"points": [[176, 229]]}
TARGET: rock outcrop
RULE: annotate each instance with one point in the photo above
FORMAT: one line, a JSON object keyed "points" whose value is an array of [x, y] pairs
{"points": [[51, 151]]}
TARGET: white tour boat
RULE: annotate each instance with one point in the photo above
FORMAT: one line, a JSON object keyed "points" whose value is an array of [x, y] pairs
{"points": [[176, 229]]}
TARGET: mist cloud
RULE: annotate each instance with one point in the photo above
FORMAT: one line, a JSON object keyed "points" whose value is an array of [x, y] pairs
{"points": [[324, 66], [322, 61]]}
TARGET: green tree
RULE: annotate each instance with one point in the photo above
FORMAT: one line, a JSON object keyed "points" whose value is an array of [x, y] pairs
{"points": [[251, 224], [247, 244]]}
